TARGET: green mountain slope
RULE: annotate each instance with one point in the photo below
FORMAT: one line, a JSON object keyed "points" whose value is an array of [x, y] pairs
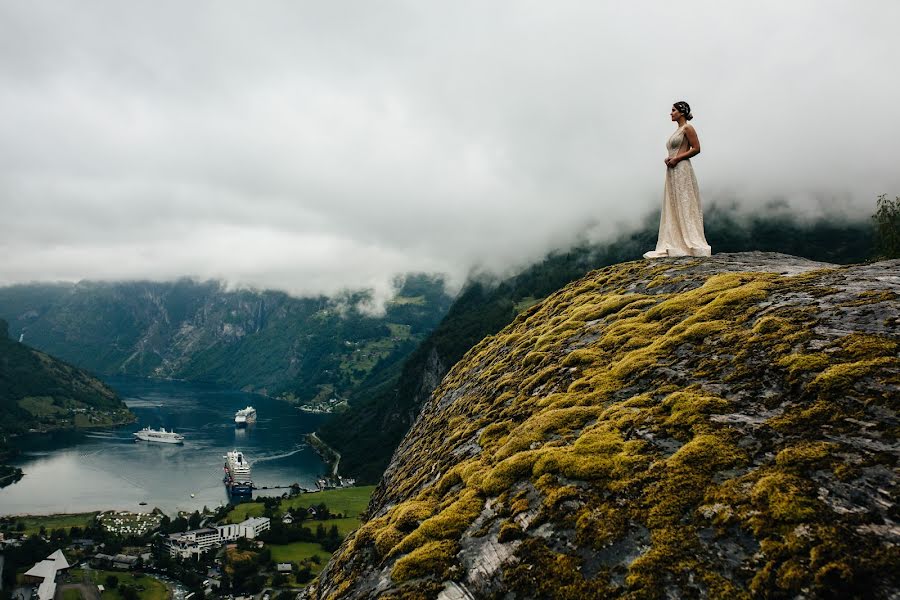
{"points": [[381, 414], [302, 348], [689, 428], [41, 393]]}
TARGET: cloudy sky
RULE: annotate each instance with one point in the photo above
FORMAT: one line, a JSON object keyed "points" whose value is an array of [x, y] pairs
{"points": [[311, 146]]}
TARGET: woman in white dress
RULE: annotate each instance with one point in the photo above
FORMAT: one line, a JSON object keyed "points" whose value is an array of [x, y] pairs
{"points": [[681, 221]]}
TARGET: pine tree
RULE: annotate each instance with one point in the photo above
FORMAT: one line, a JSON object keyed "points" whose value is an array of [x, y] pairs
{"points": [[887, 227]]}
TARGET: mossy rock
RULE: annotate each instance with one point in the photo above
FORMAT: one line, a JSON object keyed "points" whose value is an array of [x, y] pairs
{"points": [[724, 427]]}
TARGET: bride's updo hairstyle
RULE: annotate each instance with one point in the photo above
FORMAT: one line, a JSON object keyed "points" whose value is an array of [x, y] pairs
{"points": [[684, 108]]}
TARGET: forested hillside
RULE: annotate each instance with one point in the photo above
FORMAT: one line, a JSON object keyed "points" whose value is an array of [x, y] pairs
{"points": [[41, 393], [381, 415], [306, 349]]}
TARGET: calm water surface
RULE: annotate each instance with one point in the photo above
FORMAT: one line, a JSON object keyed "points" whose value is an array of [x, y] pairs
{"points": [[83, 471]]}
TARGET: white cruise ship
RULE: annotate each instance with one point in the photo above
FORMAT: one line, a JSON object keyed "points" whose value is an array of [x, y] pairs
{"points": [[161, 436], [237, 474], [245, 416]]}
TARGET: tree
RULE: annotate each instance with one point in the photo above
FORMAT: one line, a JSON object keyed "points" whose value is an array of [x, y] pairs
{"points": [[128, 592], [304, 573], [333, 541], [179, 524], [111, 581], [264, 557], [887, 227]]}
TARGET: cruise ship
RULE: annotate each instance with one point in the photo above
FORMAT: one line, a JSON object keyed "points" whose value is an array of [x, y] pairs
{"points": [[237, 474], [160, 436], [245, 416]]}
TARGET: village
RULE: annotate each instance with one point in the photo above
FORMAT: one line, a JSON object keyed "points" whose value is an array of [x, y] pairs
{"points": [[266, 548]]}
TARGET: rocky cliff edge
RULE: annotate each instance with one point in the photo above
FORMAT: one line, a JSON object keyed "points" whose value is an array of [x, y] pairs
{"points": [[684, 428]]}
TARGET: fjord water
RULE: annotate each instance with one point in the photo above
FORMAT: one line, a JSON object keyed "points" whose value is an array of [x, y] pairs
{"points": [[80, 471]]}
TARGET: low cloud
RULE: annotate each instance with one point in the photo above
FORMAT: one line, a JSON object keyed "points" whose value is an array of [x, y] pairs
{"points": [[315, 147]]}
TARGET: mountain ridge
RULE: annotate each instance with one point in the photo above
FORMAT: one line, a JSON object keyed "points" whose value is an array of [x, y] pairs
{"points": [[262, 341]]}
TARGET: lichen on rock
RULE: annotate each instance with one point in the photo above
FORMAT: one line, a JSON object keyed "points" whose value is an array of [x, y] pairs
{"points": [[698, 428]]}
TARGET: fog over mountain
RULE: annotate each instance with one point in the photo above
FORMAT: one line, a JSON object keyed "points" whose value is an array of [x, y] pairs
{"points": [[314, 146]]}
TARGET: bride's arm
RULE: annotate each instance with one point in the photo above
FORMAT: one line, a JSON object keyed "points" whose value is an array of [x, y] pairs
{"points": [[693, 148]]}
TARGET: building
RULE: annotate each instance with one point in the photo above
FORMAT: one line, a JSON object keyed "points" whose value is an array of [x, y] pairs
{"points": [[255, 526], [124, 562], [198, 541], [284, 567], [287, 519], [194, 542], [43, 574]]}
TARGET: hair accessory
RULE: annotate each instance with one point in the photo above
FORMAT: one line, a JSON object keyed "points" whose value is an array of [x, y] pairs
{"points": [[684, 108]]}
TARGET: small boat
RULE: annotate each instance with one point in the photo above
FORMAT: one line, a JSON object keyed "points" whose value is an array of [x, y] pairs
{"points": [[192, 495], [142, 504]]}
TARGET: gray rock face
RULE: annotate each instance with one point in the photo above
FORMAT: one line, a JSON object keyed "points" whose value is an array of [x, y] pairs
{"points": [[684, 428]]}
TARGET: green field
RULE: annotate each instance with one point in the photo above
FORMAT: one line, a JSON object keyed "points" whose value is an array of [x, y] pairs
{"points": [[350, 502], [244, 511], [345, 526], [299, 551], [71, 595], [50, 522], [148, 587]]}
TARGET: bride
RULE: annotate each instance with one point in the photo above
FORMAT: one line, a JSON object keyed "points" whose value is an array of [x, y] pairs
{"points": [[681, 222]]}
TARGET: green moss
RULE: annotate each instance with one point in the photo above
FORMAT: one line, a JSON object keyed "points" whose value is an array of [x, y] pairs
{"points": [[782, 498], [509, 531], [685, 476], [797, 364], [454, 519], [843, 376], [805, 417], [509, 471], [862, 346], [871, 297], [386, 539], [541, 573], [432, 559], [806, 456], [539, 425], [600, 526], [672, 564], [690, 409]]}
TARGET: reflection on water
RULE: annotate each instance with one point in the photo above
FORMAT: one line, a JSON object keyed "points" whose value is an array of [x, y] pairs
{"points": [[80, 471]]}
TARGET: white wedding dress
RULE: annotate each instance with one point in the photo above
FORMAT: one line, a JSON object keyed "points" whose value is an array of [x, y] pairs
{"points": [[681, 222]]}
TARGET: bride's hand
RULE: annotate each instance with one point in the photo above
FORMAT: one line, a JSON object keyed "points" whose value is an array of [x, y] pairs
{"points": [[672, 162], [667, 161]]}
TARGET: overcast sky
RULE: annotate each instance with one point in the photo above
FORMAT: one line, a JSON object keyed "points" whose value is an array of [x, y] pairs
{"points": [[312, 146]]}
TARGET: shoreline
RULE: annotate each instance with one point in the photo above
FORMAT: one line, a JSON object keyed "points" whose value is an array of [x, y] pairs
{"points": [[322, 449], [133, 419]]}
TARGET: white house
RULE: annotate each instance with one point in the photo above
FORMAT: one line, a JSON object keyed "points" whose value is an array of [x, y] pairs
{"points": [[44, 574], [198, 541], [255, 526], [194, 542]]}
